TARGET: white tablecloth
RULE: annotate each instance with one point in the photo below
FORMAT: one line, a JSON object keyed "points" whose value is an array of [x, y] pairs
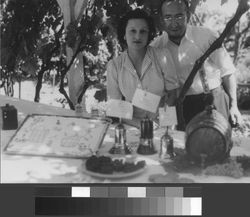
{"points": [[27, 169]]}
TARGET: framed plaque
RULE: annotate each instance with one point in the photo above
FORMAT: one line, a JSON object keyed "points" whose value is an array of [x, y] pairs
{"points": [[58, 136]]}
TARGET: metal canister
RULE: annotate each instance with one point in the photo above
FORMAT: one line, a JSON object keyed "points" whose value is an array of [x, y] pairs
{"points": [[146, 146], [167, 147], [147, 129], [9, 117]]}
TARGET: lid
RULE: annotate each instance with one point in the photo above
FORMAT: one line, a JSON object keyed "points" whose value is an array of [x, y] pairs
{"points": [[8, 107]]}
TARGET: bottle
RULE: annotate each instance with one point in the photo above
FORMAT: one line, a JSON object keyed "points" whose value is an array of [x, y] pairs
{"points": [[120, 146], [167, 146]]}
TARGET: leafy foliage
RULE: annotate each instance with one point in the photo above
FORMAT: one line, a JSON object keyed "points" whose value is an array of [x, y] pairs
{"points": [[30, 33], [33, 38]]}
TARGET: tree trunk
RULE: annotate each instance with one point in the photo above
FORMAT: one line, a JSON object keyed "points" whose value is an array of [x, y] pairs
{"points": [[39, 85], [20, 88]]}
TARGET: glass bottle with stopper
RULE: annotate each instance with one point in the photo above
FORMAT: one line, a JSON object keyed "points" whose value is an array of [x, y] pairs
{"points": [[120, 146], [168, 119], [146, 145], [167, 146]]}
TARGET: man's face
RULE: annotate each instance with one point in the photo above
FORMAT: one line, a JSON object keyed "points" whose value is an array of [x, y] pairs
{"points": [[174, 15]]}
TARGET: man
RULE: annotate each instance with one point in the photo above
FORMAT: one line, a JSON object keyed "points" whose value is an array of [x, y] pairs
{"points": [[187, 43]]}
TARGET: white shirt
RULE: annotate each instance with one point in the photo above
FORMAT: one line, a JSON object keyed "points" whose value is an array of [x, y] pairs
{"points": [[193, 45], [122, 78]]}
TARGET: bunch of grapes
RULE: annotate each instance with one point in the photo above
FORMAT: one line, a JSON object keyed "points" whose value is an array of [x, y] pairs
{"points": [[244, 161], [244, 129], [131, 167], [230, 168], [106, 165], [100, 164]]}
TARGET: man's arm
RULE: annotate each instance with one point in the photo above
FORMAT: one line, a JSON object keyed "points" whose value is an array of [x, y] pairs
{"points": [[223, 62], [230, 86]]}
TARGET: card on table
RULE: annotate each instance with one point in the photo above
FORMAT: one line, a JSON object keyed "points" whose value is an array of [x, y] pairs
{"points": [[119, 109], [168, 116], [145, 100]]}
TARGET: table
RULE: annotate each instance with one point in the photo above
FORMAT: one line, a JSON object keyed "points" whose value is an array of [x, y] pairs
{"points": [[36, 169]]}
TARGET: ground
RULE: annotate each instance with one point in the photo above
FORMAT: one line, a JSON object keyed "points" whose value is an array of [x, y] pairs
{"points": [[49, 94]]}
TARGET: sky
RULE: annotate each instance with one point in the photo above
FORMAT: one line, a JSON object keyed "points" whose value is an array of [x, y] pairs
{"points": [[229, 7]]}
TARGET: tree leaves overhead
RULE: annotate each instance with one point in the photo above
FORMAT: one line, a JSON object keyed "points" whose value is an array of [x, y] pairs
{"points": [[30, 32], [18, 27], [194, 4], [26, 28], [29, 18]]}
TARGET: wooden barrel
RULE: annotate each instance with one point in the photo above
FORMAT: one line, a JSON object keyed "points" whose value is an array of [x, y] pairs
{"points": [[208, 134]]}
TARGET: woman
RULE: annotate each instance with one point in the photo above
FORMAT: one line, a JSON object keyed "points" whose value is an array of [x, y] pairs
{"points": [[140, 65]]}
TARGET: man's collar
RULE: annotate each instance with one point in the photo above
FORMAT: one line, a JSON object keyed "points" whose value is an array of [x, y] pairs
{"points": [[129, 65], [188, 34]]}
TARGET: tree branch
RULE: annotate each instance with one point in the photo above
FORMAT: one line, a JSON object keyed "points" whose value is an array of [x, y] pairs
{"points": [[243, 34], [64, 72], [46, 66]]}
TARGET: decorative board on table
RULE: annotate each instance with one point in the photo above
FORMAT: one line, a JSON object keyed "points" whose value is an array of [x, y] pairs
{"points": [[58, 136]]}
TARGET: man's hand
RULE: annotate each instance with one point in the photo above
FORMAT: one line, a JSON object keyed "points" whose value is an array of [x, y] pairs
{"points": [[235, 116], [230, 86]]}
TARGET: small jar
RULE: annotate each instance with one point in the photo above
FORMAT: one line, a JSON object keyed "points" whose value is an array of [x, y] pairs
{"points": [[78, 110], [94, 112]]}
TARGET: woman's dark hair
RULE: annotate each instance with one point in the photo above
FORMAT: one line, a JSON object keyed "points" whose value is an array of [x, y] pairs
{"points": [[134, 14]]}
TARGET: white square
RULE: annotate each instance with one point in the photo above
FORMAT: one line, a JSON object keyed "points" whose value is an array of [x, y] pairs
{"points": [[136, 191], [80, 192], [196, 206]]}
